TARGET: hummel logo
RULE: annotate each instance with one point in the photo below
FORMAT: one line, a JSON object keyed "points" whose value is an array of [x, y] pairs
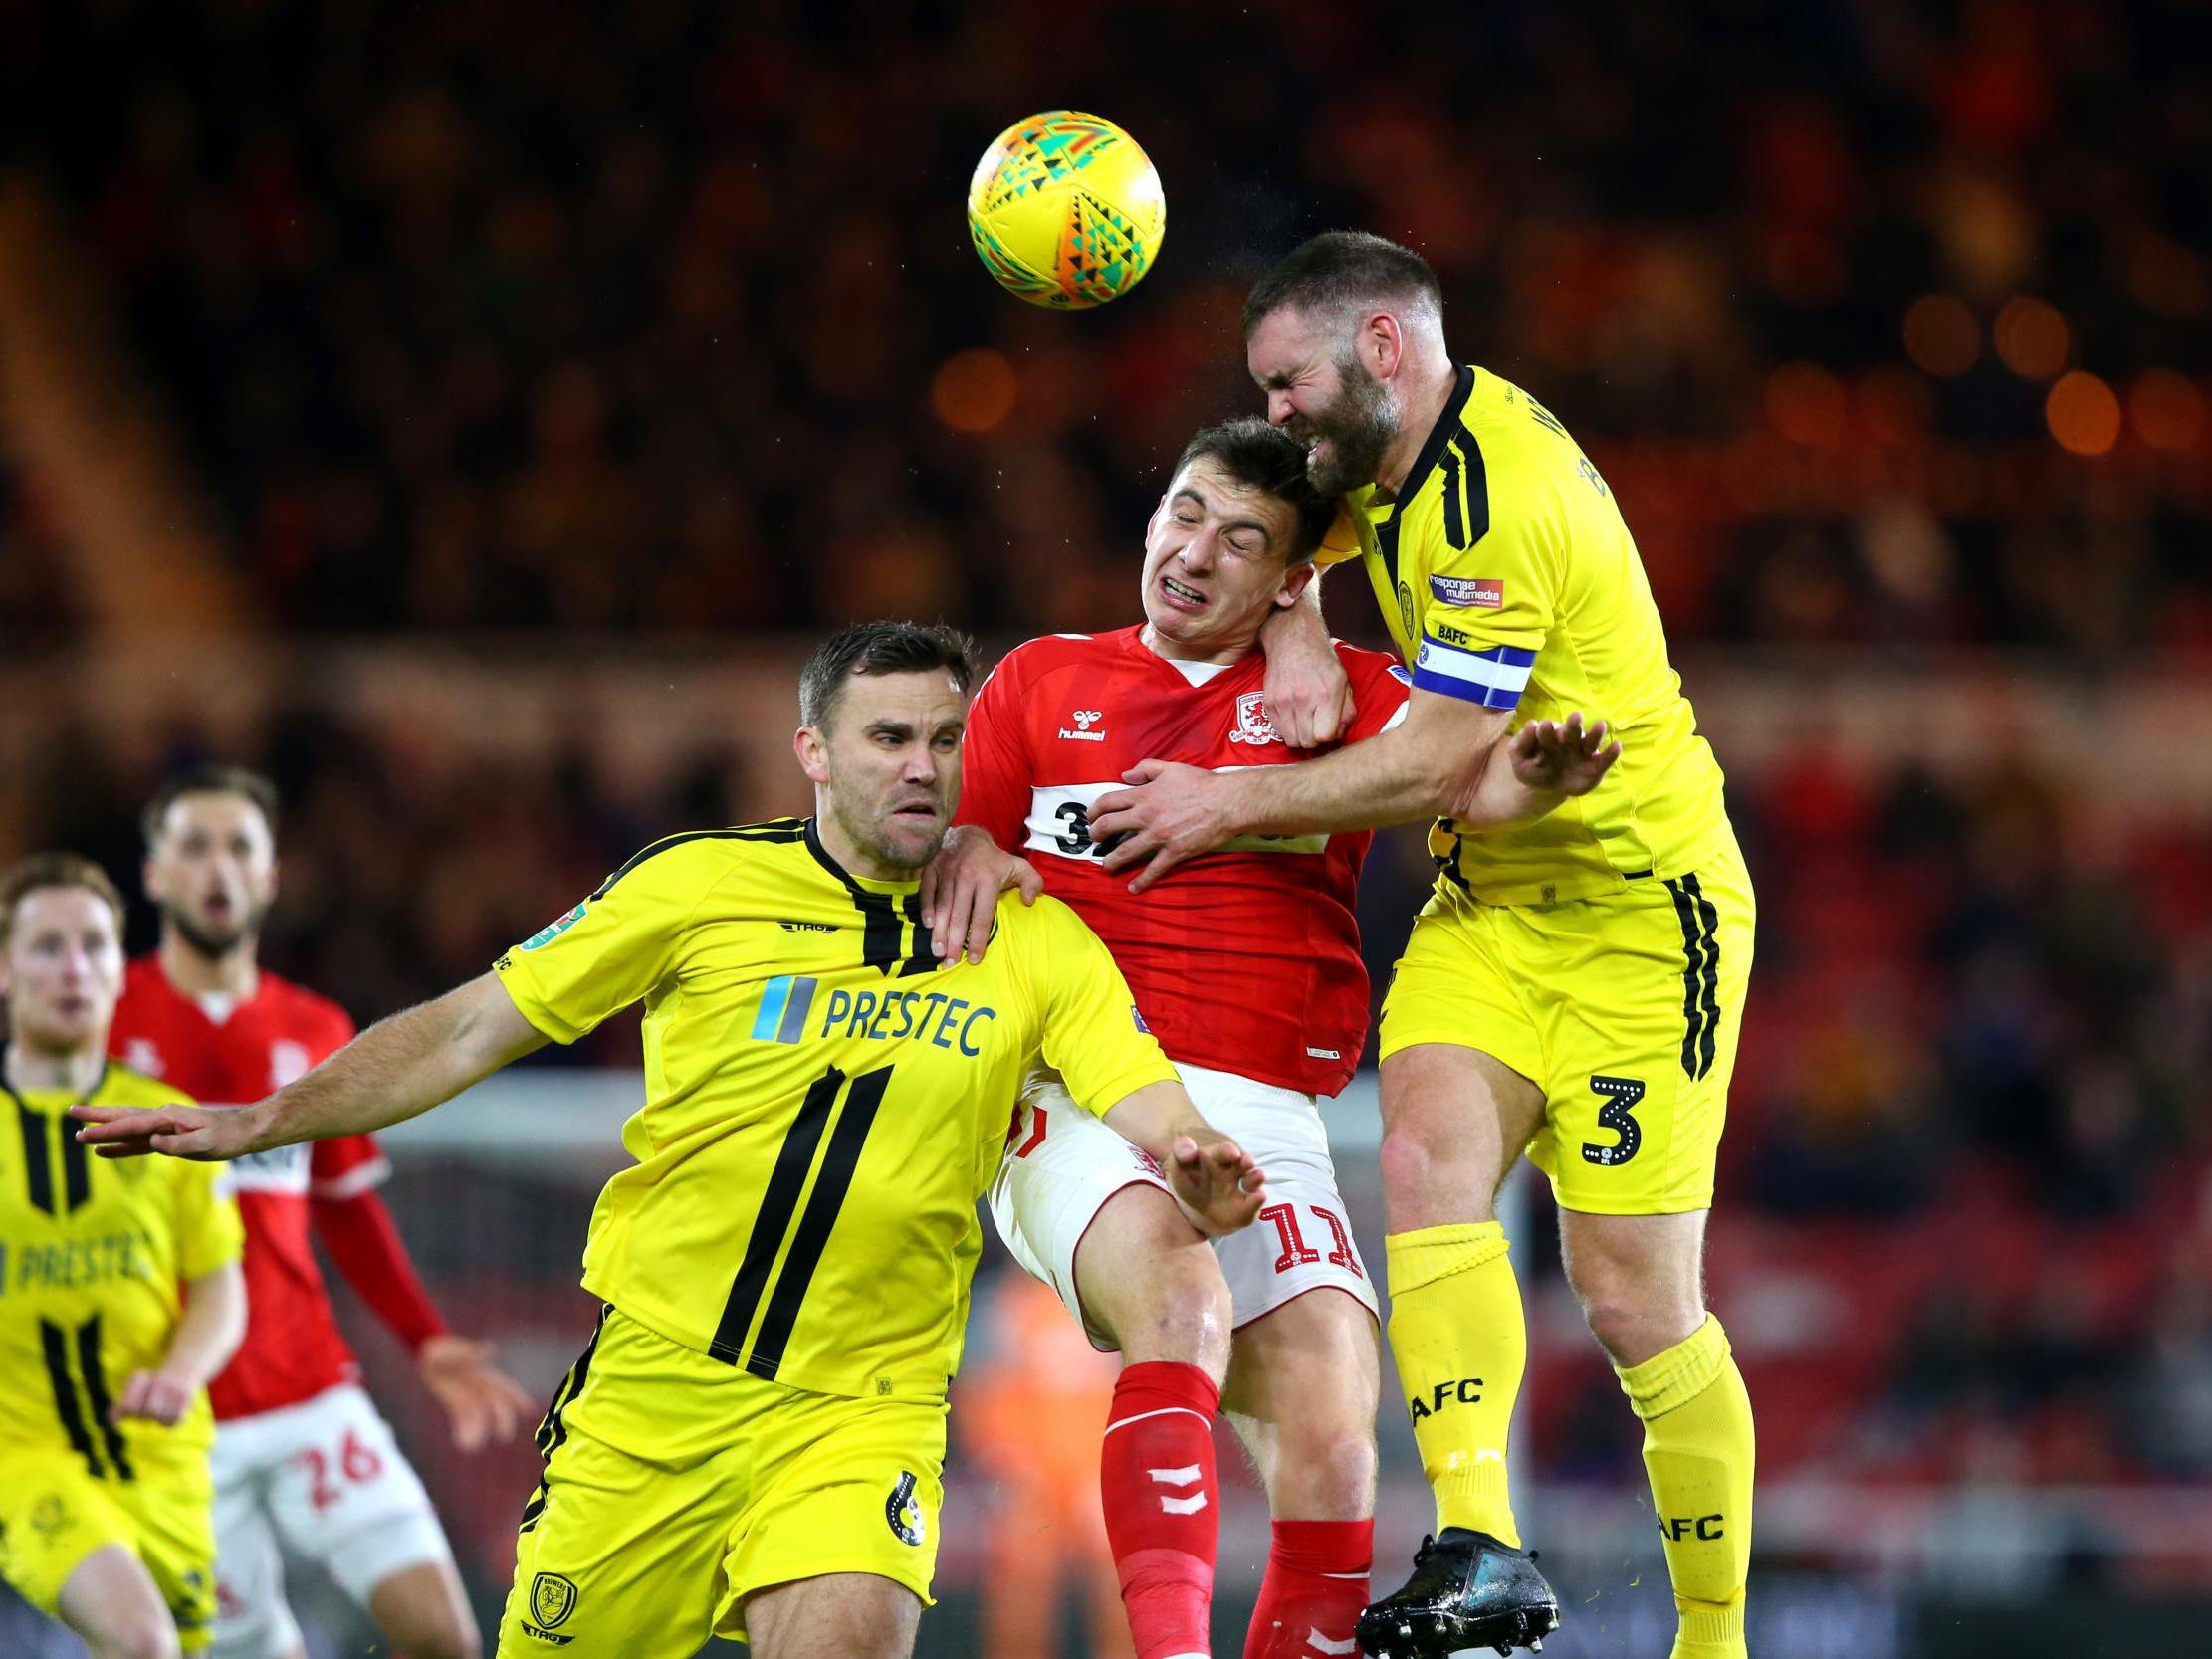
{"points": [[1188, 1475], [1084, 718]]}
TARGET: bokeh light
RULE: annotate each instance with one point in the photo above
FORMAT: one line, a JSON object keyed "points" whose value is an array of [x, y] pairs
{"points": [[974, 391], [2032, 338], [2167, 409], [1941, 335], [1806, 404], [2083, 413]]}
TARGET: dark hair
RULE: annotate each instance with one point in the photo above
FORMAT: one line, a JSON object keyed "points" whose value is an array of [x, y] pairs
{"points": [[1255, 453], [45, 870], [879, 648], [209, 780], [1338, 268]]}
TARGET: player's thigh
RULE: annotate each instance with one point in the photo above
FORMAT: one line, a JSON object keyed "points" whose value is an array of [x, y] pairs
{"points": [[1640, 997], [344, 1496], [112, 1602], [1062, 1168], [171, 1508], [1304, 1380], [840, 1487], [621, 1549], [843, 1615]]}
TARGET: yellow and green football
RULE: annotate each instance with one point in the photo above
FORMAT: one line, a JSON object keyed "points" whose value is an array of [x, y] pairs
{"points": [[1066, 211]]}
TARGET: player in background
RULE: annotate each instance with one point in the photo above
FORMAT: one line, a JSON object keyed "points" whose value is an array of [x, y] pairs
{"points": [[1247, 969], [122, 1296], [1574, 987], [751, 1445], [303, 1459]]}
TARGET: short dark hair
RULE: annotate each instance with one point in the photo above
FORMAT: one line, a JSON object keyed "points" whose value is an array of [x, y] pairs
{"points": [[1338, 268], [209, 780], [879, 648], [45, 870], [1255, 453]]}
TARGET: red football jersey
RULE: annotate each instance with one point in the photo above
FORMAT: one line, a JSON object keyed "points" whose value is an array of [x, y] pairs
{"points": [[1243, 960], [293, 1351]]}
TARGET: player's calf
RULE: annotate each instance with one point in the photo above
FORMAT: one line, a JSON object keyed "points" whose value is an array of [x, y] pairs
{"points": [[424, 1613]]}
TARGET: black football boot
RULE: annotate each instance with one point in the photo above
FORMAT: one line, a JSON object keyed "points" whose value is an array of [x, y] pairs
{"points": [[1467, 1590]]}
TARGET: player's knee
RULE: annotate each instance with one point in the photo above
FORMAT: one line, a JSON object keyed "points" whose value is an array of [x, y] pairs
{"points": [[1177, 1310], [451, 1635], [1427, 1177], [1326, 1469], [1634, 1328]]}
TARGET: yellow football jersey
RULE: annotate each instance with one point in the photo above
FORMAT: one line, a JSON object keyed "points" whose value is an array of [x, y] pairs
{"points": [[94, 1253], [1507, 577], [823, 1105]]}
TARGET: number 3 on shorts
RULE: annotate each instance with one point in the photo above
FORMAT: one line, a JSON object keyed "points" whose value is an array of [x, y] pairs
{"points": [[1620, 1095]]}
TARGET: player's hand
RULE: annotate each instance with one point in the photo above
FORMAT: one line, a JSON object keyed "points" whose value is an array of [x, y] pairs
{"points": [[206, 1134], [1561, 758], [960, 888], [155, 1396], [1174, 813], [482, 1402], [1309, 696], [1217, 1183]]}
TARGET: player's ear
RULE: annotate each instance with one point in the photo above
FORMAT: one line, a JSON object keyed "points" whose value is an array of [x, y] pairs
{"points": [[813, 755], [1294, 582], [148, 880], [1382, 344]]}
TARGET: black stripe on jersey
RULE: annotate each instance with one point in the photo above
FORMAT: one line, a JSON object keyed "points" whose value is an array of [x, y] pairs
{"points": [[773, 1218], [881, 935], [1454, 520], [55, 1341], [813, 1237], [551, 1430], [97, 1396], [922, 958], [1447, 863], [1463, 386], [773, 829], [1474, 486], [38, 1162], [77, 1169]]}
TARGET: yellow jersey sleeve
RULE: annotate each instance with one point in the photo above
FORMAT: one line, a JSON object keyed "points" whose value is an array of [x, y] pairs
{"points": [[209, 1233], [1486, 594], [615, 947], [1091, 1032], [1341, 544]]}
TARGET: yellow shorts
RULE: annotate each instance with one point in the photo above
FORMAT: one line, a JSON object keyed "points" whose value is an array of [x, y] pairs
{"points": [[54, 1514], [1624, 1009], [676, 1486]]}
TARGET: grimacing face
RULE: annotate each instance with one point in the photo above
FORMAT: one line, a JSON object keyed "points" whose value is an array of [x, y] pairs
{"points": [[63, 968], [213, 869], [1320, 392], [888, 764], [1215, 556]]}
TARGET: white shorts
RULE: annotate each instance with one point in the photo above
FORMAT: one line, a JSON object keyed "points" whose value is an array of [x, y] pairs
{"points": [[1064, 1163], [326, 1480]]}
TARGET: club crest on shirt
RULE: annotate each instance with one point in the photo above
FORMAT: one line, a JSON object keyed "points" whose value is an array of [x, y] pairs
{"points": [[1253, 723], [554, 929]]}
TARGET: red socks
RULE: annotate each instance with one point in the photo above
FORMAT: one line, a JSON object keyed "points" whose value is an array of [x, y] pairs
{"points": [[1163, 1508], [1316, 1587]]}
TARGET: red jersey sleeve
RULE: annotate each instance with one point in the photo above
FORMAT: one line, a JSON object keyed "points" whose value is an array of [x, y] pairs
{"points": [[346, 1167], [996, 772], [1380, 691]]}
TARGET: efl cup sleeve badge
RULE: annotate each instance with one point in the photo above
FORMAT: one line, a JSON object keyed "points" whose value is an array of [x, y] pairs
{"points": [[1253, 723], [1476, 593], [554, 929]]}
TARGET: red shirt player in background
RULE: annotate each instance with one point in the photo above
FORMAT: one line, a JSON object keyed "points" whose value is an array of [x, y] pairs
{"points": [[302, 1457], [1245, 965]]}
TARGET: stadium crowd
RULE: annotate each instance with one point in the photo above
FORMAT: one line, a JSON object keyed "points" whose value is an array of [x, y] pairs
{"points": [[1885, 322]]}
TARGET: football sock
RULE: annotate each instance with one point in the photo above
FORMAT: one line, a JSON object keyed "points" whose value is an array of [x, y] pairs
{"points": [[1314, 1591], [1462, 1344], [1699, 1449], [1155, 1475]]}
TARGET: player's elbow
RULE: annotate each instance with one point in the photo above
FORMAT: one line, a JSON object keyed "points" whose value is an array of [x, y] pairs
{"points": [[1450, 778]]}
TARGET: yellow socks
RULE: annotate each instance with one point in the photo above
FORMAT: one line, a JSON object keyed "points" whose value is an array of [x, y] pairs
{"points": [[1699, 1449], [1462, 1344]]}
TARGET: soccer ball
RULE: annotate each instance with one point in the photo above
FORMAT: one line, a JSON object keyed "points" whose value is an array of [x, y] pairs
{"points": [[1066, 211]]}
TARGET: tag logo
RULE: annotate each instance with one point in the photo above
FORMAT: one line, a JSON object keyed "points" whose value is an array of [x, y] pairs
{"points": [[1471, 592], [908, 1523], [1253, 723], [552, 1598], [1084, 720], [554, 929]]}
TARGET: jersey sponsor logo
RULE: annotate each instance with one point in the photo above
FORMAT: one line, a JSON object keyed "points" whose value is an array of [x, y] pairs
{"points": [[555, 928], [1252, 723], [946, 1022], [908, 1523], [280, 1169], [784, 1001], [552, 1597], [140, 1055], [1084, 720], [75, 1264], [1479, 594], [288, 1062]]}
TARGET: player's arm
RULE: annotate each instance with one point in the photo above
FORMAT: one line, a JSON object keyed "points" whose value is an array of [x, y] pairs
{"points": [[961, 886], [208, 1332], [1309, 696], [1216, 1183], [398, 1069]]}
